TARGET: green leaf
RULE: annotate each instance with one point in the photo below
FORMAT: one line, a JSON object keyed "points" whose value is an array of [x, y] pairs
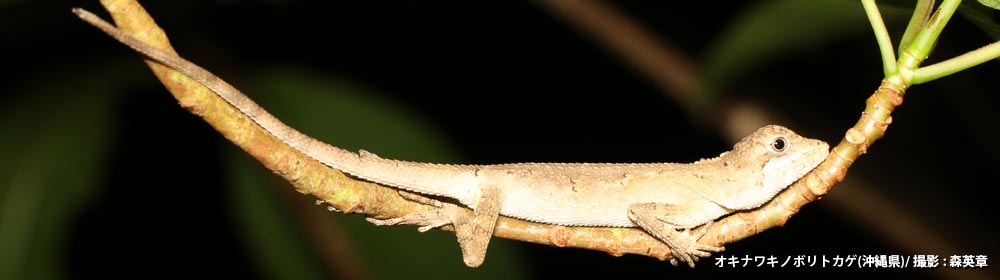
{"points": [[347, 115], [775, 28], [982, 17], [995, 4]]}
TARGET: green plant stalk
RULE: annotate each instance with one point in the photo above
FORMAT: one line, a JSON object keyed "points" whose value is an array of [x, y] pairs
{"points": [[921, 12], [913, 53], [956, 64], [924, 42], [882, 36]]}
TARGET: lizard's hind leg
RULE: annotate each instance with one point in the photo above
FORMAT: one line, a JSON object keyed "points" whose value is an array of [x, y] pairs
{"points": [[439, 217]]}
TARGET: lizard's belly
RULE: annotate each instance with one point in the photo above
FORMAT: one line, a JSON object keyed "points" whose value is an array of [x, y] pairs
{"points": [[552, 214], [568, 209], [568, 217]]}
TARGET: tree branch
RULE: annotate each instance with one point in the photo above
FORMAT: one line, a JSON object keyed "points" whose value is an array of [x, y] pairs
{"points": [[352, 196]]}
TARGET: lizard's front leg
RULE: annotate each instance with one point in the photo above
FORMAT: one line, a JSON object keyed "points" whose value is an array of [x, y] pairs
{"points": [[655, 219], [473, 234]]}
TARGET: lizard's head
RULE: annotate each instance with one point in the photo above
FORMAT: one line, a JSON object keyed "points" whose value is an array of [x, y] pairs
{"points": [[773, 157]]}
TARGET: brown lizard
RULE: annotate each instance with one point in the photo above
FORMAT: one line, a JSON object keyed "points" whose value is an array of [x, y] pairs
{"points": [[664, 199]]}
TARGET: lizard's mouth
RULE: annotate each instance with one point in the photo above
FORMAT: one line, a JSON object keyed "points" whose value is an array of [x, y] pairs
{"points": [[784, 171]]}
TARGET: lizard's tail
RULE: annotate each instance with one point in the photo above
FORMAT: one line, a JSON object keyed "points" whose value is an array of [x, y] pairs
{"points": [[419, 177]]}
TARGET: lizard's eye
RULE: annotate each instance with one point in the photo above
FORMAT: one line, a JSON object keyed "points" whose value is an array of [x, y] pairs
{"points": [[778, 145]]}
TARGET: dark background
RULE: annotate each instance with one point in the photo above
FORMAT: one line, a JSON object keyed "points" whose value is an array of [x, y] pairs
{"points": [[106, 176]]}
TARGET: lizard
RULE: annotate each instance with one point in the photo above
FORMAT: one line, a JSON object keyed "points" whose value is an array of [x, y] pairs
{"points": [[666, 200]]}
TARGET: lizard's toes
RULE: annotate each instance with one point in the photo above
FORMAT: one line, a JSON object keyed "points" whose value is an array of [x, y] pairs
{"points": [[693, 252], [688, 259], [424, 220], [380, 222], [681, 255], [438, 224], [705, 249]]}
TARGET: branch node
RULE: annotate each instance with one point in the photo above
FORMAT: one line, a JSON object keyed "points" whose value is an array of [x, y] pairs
{"points": [[857, 138], [559, 236]]}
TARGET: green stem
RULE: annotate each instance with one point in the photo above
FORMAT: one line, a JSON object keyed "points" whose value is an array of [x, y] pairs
{"points": [[921, 12], [923, 43], [955, 64], [882, 36]]}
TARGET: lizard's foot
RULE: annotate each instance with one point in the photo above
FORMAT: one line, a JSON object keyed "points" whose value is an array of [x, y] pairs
{"points": [[660, 221], [425, 220], [444, 215], [688, 249]]}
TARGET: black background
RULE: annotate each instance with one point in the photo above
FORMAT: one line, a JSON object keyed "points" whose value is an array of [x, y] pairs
{"points": [[507, 82]]}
